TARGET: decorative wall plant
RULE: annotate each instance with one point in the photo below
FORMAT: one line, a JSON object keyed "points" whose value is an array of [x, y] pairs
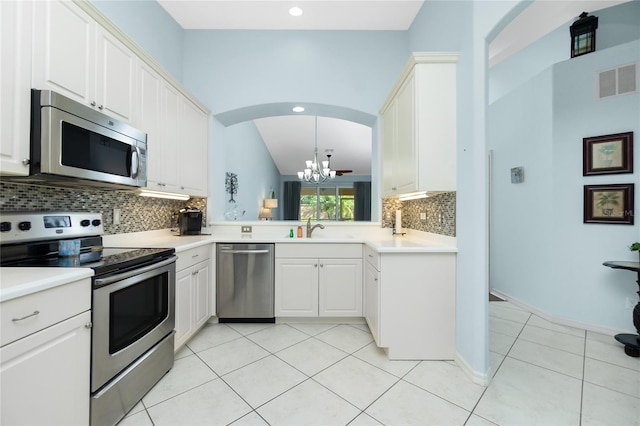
{"points": [[231, 185]]}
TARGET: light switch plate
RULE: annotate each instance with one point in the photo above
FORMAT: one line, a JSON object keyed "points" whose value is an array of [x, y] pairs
{"points": [[423, 216], [246, 229]]}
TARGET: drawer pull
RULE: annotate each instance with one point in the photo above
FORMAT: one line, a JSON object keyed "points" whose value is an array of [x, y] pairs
{"points": [[370, 255], [195, 255], [25, 317]]}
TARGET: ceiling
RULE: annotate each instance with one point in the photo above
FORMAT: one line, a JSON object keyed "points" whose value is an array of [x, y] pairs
{"points": [[290, 138], [274, 15]]}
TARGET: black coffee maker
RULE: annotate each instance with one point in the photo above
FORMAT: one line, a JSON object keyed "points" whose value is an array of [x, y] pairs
{"points": [[189, 221]]}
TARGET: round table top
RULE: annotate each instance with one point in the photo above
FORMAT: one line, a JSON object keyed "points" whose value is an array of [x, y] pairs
{"points": [[631, 266]]}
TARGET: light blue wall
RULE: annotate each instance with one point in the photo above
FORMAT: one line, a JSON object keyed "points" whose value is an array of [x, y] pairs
{"points": [[432, 30], [257, 173], [234, 69], [520, 134], [582, 280], [351, 70], [543, 217], [151, 27], [616, 25]]}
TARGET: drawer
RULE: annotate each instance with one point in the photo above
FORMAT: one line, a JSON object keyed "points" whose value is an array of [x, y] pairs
{"points": [[372, 256], [188, 258], [53, 306], [306, 250]]}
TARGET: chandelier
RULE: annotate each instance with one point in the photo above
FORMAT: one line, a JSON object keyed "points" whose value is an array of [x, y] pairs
{"points": [[314, 171]]}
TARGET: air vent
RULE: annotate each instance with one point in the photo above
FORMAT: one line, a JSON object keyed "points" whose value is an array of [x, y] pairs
{"points": [[617, 81]]}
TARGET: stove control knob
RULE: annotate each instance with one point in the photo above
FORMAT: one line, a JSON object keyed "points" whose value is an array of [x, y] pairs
{"points": [[24, 226], [85, 222], [5, 226], [96, 222]]}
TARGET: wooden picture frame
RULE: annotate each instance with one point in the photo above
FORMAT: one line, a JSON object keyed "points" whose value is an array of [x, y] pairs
{"points": [[609, 204], [609, 154]]}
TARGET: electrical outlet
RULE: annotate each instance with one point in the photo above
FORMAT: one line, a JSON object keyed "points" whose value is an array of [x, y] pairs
{"points": [[423, 216], [116, 216], [246, 229]]}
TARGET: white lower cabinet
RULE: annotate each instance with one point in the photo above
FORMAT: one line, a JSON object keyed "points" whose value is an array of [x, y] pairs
{"points": [[372, 301], [45, 357], [410, 303], [309, 285], [193, 292]]}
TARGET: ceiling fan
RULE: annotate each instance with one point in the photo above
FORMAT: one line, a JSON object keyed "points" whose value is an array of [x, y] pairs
{"points": [[338, 172]]}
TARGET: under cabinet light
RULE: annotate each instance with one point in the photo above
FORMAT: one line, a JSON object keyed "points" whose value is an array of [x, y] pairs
{"points": [[298, 109], [143, 192], [413, 196]]}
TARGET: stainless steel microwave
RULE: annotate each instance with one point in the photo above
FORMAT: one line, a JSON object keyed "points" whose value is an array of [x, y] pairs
{"points": [[75, 145]]}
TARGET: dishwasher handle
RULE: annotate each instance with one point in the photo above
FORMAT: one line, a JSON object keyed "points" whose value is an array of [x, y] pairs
{"points": [[244, 251]]}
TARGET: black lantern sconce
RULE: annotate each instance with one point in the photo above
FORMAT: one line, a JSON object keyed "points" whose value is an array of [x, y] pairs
{"points": [[583, 35]]}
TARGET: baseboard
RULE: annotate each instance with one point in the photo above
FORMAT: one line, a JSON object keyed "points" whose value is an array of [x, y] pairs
{"points": [[558, 319], [476, 377]]}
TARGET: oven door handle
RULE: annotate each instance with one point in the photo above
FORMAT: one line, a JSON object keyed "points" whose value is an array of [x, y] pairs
{"points": [[119, 277]]}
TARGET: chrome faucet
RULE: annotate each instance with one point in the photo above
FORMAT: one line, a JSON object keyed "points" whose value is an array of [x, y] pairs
{"points": [[311, 228]]}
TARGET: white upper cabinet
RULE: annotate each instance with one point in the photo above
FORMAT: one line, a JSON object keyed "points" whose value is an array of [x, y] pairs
{"points": [[157, 115], [15, 86], [75, 56], [419, 127], [78, 53], [192, 145], [177, 137], [116, 71]]}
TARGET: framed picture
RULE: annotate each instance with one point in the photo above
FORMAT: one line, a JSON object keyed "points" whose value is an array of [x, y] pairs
{"points": [[609, 204], [517, 174], [605, 155]]}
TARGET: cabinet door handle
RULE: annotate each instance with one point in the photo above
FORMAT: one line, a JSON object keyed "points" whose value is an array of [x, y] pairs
{"points": [[93, 103], [26, 161], [101, 107], [195, 255], [315, 265], [322, 265], [25, 317], [370, 255]]}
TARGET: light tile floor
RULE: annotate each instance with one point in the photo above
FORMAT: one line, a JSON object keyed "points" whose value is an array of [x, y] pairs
{"points": [[327, 374]]}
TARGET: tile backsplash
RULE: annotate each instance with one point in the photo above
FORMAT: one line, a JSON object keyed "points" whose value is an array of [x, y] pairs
{"points": [[146, 214], [136, 213], [440, 213]]}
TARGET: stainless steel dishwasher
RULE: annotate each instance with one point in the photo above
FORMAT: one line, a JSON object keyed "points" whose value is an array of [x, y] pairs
{"points": [[245, 282]]}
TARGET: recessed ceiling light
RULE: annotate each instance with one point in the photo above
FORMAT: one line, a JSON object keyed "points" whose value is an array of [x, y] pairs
{"points": [[295, 11], [298, 109]]}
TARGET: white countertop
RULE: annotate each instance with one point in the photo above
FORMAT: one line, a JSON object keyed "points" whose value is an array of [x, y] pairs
{"points": [[379, 241], [18, 282]]}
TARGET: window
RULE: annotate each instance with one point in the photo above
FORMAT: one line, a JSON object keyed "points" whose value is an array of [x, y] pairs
{"points": [[326, 203]]}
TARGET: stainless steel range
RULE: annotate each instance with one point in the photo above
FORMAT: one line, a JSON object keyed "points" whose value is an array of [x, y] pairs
{"points": [[133, 301]]}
